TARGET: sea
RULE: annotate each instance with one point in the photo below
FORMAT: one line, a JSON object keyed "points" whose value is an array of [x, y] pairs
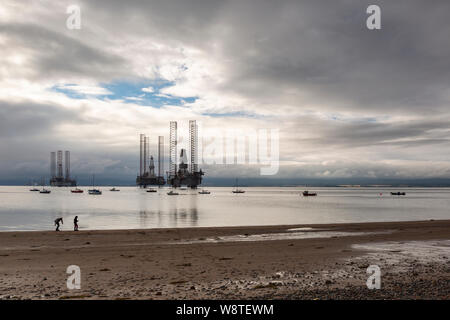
{"points": [[134, 208]]}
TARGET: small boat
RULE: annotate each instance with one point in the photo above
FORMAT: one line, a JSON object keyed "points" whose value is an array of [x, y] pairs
{"points": [[398, 193], [34, 189], [183, 188], [151, 190], [309, 194], [94, 191], [204, 192], [45, 191], [171, 193], [114, 189], [237, 190], [76, 190]]}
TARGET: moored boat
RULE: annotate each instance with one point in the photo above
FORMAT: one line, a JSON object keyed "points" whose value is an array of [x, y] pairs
{"points": [[94, 191], [236, 189], [309, 194]]}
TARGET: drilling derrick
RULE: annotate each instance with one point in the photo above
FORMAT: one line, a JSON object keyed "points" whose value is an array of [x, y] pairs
{"points": [[193, 142], [60, 165], [161, 158], [141, 148], [145, 156], [183, 171], [67, 162], [151, 167], [173, 150]]}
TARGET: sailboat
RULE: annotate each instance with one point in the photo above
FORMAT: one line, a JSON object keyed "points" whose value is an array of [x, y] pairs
{"points": [[236, 189], [34, 188], [45, 191], [94, 191]]}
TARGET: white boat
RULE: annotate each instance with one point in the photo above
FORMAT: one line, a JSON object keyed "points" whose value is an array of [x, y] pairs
{"points": [[172, 193], [151, 190], [45, 191], [204, 192], [114, 189]]}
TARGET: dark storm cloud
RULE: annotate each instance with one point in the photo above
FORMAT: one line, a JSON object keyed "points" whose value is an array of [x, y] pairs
{"points": [[372, 134], [55, 54], [25, 119]]}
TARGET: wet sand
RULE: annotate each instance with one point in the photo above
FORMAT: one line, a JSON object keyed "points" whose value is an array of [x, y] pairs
{"points": [[270, 262]]}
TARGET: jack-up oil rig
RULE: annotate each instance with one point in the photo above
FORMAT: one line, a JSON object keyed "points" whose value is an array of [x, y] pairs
{"points": [[190, 177], [184, 174], [57, 178], [147, 175]]}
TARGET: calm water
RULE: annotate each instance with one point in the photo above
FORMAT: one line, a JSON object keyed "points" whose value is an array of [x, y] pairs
{"points": [[21, 209]]}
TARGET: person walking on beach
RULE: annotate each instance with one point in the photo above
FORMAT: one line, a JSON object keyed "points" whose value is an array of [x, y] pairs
{"points": [[75, 224], [57, 221]]}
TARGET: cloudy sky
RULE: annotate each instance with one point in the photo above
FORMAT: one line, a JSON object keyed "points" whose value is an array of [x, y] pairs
{"points": [[348, 102]]}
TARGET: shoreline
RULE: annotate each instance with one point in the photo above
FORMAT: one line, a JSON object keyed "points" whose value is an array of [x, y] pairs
{"points": [[324, 261], [246, 227]]}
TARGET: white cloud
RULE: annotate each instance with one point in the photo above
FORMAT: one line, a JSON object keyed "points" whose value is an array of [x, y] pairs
{"points": [[148, 89], [134, 98], [86, 90]]}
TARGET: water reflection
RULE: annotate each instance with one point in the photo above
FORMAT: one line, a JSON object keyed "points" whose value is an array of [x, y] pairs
{"points": [[178, 217]]}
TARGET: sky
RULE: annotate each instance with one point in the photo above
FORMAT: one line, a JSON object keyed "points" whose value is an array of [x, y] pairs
{"points": [[349, 103]]}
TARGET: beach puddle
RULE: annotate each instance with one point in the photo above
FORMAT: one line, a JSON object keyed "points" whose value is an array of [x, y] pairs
{"points": [[405, 252], [290, 234], [304, 229], [420, 257]]}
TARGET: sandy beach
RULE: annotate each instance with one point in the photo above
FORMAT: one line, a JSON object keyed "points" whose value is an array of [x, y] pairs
{"points": [[274, 262]]}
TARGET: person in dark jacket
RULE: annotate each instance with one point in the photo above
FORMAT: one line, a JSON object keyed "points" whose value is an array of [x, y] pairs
{"points": [[57, 222], [75, 224]]}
